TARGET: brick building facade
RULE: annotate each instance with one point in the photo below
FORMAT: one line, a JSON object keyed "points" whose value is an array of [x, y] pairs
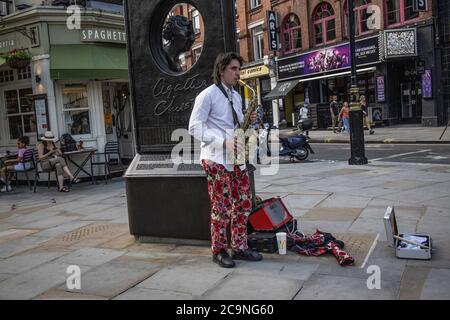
{"points": [[307, 26]]}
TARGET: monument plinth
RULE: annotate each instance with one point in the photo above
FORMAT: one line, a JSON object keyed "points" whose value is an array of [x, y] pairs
{"points": [[168, 200]]}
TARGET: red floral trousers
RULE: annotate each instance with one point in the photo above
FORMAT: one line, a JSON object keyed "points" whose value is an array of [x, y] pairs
{"points": [[229, 193]]}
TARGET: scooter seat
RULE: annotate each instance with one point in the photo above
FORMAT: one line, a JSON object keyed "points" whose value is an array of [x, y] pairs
{"points": [[284, 135], [296, 141]]}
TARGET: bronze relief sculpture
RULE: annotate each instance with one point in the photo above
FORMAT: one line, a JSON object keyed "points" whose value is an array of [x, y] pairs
{"points": [[179, 32]]}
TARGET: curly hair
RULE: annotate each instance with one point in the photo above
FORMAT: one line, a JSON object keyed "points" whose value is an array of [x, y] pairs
{"points": [[170, 27], [222, 61]]}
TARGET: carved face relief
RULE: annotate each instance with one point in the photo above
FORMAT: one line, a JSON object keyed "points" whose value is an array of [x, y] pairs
{"points": [[182, 36]]}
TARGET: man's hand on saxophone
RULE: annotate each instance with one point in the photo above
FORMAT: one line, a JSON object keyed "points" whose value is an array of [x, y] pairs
{"points": [[253, 117]]}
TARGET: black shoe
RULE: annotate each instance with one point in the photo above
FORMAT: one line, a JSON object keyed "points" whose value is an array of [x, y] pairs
{"points": [[223, 259], [372, 132], [248, 255]]}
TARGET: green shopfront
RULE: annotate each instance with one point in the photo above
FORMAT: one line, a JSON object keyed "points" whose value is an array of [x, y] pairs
{"points": [[81, 75]]}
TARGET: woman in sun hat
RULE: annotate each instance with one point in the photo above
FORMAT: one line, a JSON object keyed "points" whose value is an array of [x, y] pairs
{"points": [[51, 158]]}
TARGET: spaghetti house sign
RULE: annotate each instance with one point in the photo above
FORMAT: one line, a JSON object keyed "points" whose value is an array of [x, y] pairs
{"points": [[103, 35]]}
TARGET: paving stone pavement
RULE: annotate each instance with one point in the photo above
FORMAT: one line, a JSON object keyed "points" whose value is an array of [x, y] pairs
{"points": [[42, 234]]}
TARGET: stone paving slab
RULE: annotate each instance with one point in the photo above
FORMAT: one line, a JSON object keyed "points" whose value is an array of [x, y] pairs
{"points": [[14, 234], [14, 247], [326, 287], [56, 294], [437, 285], [412, 283], [202, 276], [340, 200], [152, 294], [34, 282], [27, 261], [332, 214], [114, 277], [63, 228], [254, 287], [304, 201], [90, 256], [50, 222]]}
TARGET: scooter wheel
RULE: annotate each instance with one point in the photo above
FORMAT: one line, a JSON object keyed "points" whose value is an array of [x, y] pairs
{"points": [[301, 154]]}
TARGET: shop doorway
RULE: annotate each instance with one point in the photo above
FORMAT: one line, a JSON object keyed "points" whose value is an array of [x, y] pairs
{"points": [[411, 101], [118, 117]]}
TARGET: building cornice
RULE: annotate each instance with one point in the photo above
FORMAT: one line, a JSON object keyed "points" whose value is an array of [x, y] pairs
{"points": [[58, 15]]}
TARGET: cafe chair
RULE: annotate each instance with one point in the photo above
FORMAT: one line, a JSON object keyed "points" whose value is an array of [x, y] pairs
{"points": [[108, 158], [38, 170], [29, 165]]}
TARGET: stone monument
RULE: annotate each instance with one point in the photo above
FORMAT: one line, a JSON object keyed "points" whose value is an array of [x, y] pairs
{"points": [[168, 200]]}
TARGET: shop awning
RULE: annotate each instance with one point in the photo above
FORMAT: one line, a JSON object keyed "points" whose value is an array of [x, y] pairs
{"points": [[281, 89], [84, 61]]}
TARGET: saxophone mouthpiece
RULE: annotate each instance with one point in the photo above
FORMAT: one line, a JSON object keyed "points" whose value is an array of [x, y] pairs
{"points": [[242, 83]]}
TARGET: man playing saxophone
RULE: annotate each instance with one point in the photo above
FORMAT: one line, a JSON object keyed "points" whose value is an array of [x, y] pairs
{"points": [[217, 113]]}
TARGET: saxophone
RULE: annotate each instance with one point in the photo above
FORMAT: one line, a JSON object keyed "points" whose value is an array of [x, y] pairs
{"points": [[242, 134]]}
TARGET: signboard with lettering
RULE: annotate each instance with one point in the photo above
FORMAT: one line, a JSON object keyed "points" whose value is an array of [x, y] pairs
{"points": [[329, 60], [40, 109], [272, 26], [400, 43], [254, 72], [381, 96], [102, 35], [427, 85], [420, 5]]}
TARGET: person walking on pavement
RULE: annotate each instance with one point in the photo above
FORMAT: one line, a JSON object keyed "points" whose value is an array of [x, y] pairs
{"points": [[217, 112], [344, 115], [334, 111], [304, 116], [366, 122]]}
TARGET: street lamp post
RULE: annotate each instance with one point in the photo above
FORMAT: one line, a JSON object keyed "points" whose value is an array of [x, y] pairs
{"points": [[356, 117]]}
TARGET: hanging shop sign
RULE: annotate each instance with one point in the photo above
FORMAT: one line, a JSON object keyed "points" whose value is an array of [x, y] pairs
{"points": [[427, 85], [400, 43], [102, 35], [254, 72], [329, 60], [381, 96], [420, 5], [272, 30]]}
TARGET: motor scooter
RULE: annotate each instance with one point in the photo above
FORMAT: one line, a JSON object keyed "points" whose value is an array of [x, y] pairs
{"points": [[295, 145]]}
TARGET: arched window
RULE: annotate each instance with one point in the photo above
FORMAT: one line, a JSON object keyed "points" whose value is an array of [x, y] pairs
{"points": [[292, 35], [324, 24], [399, 11], [361, 16]]}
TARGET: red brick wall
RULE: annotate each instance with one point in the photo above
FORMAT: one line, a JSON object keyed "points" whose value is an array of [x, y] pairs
{"points": [[303, 9]]}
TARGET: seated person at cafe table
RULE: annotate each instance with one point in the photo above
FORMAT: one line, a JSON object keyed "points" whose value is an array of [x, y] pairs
{"points": [[51, 158], [14, 164]]}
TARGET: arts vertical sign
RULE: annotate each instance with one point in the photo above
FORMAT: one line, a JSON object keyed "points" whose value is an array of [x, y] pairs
{"points": [[420, 5], [272, 27]]}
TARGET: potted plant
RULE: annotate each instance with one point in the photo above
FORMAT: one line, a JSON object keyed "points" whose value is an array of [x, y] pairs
{"points": [[17, 59]]}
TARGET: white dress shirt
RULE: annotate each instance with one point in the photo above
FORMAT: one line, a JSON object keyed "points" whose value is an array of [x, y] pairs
{"points": [[212, 122]]}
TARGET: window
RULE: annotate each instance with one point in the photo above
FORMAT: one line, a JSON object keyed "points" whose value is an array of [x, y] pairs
{"points": [[76, 109], [292, 36], [258, 42], [324, 24], [20, 113], [254, 3], [6, 76], [196, 52], [361, 17], [399, 11], [24, 73], [196, 21]]}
